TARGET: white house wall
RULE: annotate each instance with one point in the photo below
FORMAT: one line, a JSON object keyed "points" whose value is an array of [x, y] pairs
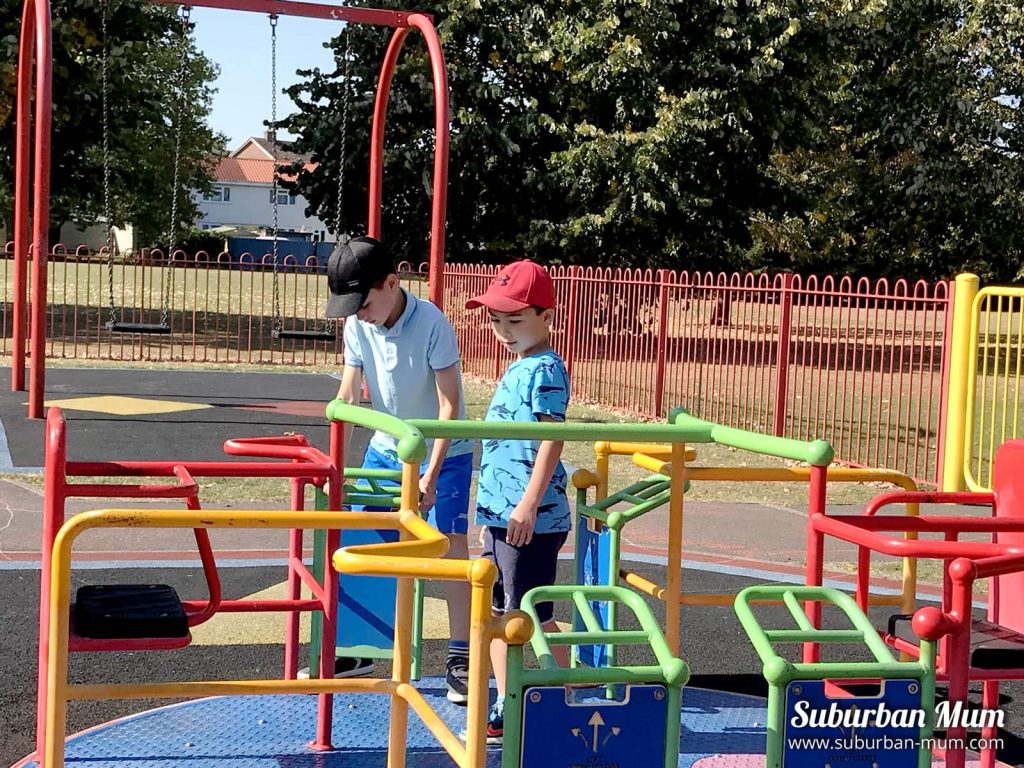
{"points": [[250, 206]]}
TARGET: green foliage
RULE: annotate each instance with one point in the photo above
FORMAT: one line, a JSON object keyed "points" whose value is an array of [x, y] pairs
{"points": [[143, 61], [858, 136]]}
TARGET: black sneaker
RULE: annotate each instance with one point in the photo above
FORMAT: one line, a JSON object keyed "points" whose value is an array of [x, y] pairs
{"points": [[496, 724], [345, 666], [457, 677]]}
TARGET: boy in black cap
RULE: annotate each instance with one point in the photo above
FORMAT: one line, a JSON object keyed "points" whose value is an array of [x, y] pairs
{"points": [[406, 351]]}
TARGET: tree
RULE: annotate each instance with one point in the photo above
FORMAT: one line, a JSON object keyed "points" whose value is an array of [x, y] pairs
{"points": [[843, 135], [143, 60], [914, 165]]}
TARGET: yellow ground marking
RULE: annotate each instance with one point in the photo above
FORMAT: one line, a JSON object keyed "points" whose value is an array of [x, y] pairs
{"points": [[268, 628], [125, 406]]}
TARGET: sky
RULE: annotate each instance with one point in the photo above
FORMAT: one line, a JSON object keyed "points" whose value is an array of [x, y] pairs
{"points": [[239, 44]]}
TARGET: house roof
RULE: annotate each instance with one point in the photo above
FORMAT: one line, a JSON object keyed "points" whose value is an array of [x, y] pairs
{"points": [[250, 171], [284, 155]]}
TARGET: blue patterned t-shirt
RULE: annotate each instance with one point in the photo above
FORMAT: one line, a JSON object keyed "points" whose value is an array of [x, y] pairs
{"points": [[532, 386]]}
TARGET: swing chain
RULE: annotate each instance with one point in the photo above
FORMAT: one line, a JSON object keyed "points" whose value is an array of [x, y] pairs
{"points": [[278, 325], [332, 324], [186, 13], [105, 90], [345, 100]]}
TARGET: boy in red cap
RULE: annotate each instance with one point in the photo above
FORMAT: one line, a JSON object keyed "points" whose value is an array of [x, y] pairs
{"points": [[521, 497]]}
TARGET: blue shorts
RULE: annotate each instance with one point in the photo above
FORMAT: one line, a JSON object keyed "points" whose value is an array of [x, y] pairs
{"points": [[450, 513]]}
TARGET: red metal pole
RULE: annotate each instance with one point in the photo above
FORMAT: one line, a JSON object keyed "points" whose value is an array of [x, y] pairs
{"points": [[291, 637], [440, 183], [23, 146], [439, 208], [40, 206], [380, 110], [782, 356], [54, 493], [383, 18], [662, 341], [815, 555]]}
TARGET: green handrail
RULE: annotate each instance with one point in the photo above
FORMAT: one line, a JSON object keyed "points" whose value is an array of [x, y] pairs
{"points": [[817, 453], [779, 672], [412, 447], [649, 633]]}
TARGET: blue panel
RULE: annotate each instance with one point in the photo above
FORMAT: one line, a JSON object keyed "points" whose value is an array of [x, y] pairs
{"points": [[852, 737], [592, 560], [594, 732], [366, 604]]}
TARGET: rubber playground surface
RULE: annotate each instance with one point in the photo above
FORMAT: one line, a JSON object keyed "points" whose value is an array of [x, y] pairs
{"points": [[140, 414]]}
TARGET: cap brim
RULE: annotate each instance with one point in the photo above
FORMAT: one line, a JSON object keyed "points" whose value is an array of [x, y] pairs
{"points": [[497, 303], [344, 304]]}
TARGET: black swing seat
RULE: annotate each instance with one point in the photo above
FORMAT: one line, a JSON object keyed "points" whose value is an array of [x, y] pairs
{"points": [[121, 611], [303, 335], [993, 646], [138, 327]]}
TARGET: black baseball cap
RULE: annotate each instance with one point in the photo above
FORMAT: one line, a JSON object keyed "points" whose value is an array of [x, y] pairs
{"points": [[355, 266]]}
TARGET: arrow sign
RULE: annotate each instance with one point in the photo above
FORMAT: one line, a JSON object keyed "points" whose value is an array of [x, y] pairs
{"points": [[597, 721], [576, 732], [615, 732]]}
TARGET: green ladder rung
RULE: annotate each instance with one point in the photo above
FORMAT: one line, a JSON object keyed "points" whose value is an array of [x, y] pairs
{"points": [[602, 637], [814, 636]]}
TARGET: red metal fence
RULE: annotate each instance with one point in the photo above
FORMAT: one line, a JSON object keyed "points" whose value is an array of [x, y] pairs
{"points": [[859, 363], [221, 309]]}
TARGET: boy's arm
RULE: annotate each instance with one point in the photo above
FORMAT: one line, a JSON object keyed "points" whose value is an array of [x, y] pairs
{"points": [[524, 516], [350, 390], [447, 382]]}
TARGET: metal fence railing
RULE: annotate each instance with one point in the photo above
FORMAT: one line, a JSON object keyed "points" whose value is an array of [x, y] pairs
{"points": [[221, 308], [862, 364], [995, 363], [859, 363]]}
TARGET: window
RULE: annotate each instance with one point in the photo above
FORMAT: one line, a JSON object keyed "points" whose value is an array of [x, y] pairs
{"points": [[218, 195], [284, 197]]}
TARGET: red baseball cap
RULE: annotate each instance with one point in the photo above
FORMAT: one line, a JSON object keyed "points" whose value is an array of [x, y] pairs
{"points": [[517, 286]]}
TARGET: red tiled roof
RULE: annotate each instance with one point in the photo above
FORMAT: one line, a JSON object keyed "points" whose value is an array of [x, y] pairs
{"points": [[251, 171]]}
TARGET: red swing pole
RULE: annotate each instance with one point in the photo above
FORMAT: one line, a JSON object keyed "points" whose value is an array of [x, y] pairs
{"points": [[440, 185], [35, 45]]}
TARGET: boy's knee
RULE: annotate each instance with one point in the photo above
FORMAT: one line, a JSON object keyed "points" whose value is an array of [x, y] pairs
{"points": [[458, 545]]}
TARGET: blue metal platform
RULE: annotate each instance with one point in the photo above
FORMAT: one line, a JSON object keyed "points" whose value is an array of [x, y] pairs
{"points": [[272, 732]]}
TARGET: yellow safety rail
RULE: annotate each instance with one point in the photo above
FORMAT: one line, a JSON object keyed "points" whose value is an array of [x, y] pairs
{"points": [[995, 353], [417, 554]]}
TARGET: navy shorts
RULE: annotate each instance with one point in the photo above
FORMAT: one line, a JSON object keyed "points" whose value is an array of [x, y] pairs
{"points": [[520, 569], [450, 513]]}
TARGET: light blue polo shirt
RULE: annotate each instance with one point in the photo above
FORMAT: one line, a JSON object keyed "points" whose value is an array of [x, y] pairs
{"points": [[398, 366]]}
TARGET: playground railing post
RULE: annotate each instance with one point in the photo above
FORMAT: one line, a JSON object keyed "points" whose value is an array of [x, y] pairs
{"points": [[782, 356], [961, 346], [664, 277]]}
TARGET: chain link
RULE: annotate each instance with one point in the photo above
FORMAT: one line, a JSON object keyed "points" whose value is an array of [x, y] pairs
{"points": [[331, 325], [345, 100], [278, 324], [107, 214], [186, 13]]}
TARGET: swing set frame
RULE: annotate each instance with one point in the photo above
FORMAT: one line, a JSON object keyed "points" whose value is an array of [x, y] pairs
{"points": [[32, 158]]}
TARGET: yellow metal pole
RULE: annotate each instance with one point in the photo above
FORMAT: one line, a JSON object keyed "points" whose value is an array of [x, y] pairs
{"points": [[960, 392], [401, 665], [673, 584], [57, 669], [602, 451], [483, 575]]}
